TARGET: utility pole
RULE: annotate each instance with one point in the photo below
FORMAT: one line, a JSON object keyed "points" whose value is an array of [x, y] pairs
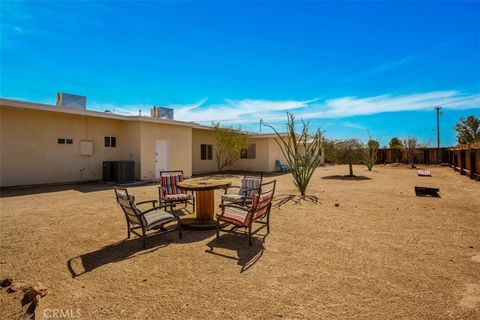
{"points": [[437, 109], [261, 123]]}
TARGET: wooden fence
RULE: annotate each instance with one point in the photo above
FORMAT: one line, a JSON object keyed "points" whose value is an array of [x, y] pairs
{"points": [[423, 155], [466, 159]]}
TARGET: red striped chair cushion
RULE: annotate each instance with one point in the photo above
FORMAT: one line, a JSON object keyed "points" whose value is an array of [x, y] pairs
{"points": [[235, 216], [260, 203], [169, 182], [178, 197]]}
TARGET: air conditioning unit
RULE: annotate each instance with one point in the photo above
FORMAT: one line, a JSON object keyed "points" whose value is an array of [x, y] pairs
{"points": [[67, 100], [162, 113], [119, 171]]}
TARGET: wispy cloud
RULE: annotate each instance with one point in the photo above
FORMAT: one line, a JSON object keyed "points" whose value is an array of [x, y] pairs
{"points": [[237, 110], [35, 20], [354, 106], [354, 125], [401, 61], [251, 110], [381, 68]]}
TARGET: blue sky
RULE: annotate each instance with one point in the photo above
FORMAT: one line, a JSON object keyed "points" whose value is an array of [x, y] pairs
{"points": [[348, 67]]}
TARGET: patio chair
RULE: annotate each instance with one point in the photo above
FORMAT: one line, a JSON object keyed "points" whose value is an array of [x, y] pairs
{"points": [[244, 217], [154, 218], [250, 186], [281, 167], [168, 191]]}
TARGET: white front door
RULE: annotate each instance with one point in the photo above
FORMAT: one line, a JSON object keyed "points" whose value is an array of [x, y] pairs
{"points": [[161, 157]]}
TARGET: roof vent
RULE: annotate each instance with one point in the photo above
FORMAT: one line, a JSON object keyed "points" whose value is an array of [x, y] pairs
{"points": [[67, 100], [161, 112]]}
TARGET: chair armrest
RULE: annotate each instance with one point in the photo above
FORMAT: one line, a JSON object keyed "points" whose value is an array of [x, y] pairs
{"points": [[223, 206], [148, 201], [159, 207], [176, 215], [231, 187]]}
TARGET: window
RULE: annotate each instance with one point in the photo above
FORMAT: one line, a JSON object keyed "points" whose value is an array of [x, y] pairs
{"points": [[110, 142], [249, 153], [206, 152], [64, 141]]}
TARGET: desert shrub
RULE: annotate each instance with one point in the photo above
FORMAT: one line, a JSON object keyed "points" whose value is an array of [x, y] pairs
{"points": [[302, 151]]}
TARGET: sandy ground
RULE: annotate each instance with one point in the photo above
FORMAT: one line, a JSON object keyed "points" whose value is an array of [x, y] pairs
{"points": [[383, 253]]}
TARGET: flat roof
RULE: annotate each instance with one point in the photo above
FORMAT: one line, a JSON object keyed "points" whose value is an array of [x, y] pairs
{"points": [[85, 112], [91, 113]]}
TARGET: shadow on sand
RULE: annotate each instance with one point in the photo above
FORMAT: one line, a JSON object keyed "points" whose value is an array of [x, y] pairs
{"points": [[282, 199], [236, 174], [426, 195], [246, 256], [28, 190], [128, 249], [347, 178], [79, 187]]}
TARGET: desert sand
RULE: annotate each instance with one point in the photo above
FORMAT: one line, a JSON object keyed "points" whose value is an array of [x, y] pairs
{"points": [[382, 253]]}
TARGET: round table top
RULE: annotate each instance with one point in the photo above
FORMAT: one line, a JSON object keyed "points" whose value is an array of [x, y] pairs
{"points": [[200, 184]]}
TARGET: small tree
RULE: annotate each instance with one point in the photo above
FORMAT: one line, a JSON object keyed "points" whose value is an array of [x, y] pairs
{"points": [[395, 145], [301, 151], [410, 146], [229, 144], [349, 151], [468, 130], [370, 152], [329, 151]]}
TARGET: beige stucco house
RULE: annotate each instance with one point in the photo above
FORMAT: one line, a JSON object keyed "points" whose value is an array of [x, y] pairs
{"points": [[42, 143]]}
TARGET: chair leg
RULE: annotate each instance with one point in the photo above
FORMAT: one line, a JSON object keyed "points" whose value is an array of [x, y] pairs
{"points": [[128, 230], [250, 235], [144, 239], [218, 229], [180, 236], [268, 223]]}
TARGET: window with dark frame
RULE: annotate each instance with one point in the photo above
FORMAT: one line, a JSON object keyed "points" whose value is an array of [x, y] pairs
{"points": [[250, 152], [209, 151], [206, 152], [110, 142], [64, 141], [244, 154]]}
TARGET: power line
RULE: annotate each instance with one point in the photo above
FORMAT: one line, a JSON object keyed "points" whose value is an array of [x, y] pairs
{"points": [[437, 109]]}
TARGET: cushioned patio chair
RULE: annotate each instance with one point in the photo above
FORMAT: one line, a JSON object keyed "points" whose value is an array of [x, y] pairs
{"points": [[153, 219], [250, 186], [244, 217], [281, 167], [168, 191]]}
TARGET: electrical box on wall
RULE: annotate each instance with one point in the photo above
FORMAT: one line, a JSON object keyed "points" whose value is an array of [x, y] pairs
{"points": [[86, 147]]}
